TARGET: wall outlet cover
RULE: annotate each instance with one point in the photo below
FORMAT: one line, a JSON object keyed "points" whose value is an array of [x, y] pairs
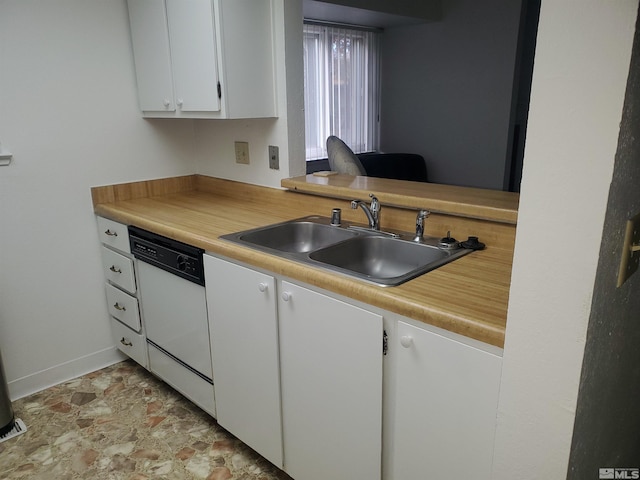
{"points": [[242, 152]]}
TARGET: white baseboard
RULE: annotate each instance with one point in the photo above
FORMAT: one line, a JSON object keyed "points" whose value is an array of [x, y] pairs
{"points": [[55, 375]]}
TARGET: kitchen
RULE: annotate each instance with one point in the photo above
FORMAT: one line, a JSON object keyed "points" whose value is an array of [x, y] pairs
{"points": [[61, 59]]}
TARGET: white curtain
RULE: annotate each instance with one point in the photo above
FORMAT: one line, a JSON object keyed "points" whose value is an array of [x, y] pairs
{"points": [[341, 80]]}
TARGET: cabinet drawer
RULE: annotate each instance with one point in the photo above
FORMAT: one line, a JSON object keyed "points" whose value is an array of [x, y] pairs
{"points": [[130, 343], [123, 306], [118, 269], [113, 234]]}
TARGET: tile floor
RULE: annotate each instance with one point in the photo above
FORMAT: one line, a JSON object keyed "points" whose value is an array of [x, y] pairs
{"points": [[121, 423]]}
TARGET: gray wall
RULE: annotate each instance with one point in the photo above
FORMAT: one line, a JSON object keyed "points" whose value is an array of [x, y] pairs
{"points": [[447, 89], [607, 426]]}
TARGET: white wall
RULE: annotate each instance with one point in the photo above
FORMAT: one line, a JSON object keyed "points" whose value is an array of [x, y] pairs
{"points": [[68, 113], [446, 91], [581, 67]]}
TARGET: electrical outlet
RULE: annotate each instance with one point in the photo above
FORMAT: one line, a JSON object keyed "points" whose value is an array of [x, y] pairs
{"points": [[274, 157], [630, 250], [242, 152]]}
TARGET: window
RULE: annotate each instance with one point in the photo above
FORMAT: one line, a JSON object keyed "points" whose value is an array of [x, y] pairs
{"points": [[341, 82]]}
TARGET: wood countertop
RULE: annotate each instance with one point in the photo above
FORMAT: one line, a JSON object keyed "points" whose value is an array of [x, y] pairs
{"points": [[468, 296], [493, 205]]}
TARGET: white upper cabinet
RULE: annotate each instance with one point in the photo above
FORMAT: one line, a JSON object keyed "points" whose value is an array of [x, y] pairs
{"points": [[204, 58], [193, 55], [150, 40]]}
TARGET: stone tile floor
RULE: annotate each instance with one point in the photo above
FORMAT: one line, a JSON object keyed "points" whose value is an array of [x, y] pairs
{"points": [[121, 423]]}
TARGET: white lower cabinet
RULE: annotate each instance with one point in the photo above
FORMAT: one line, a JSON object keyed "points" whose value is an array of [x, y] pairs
{"points": [[121, 290], [446, 398], [132, 344], [298, 376], [118, 269], [331, 375], [244, 342], [124, 307]]}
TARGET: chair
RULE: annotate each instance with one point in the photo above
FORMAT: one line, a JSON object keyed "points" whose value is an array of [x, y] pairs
{"points": [[342, 159]]}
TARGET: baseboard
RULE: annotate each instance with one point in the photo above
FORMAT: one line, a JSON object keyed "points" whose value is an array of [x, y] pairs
{"points": [[55, 375]]}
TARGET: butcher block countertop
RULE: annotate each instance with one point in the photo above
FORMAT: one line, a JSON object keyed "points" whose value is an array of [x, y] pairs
{"points": [[468, 296], [493, 205]]}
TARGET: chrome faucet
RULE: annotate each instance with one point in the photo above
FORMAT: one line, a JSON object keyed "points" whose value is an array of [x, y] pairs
{"points": [[420, 218], [372, 212]]}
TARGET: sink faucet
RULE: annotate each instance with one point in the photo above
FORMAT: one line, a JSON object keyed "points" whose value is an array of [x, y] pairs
{"points": [[372, 212], [420, 218]]}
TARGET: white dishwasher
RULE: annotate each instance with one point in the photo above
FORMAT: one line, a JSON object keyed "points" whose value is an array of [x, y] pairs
{"points": [[174, 313]]}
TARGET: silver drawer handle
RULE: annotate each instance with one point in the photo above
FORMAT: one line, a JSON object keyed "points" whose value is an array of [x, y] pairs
{"points": [[118, 307], [115, 269], [110, 233], [126, 342]]}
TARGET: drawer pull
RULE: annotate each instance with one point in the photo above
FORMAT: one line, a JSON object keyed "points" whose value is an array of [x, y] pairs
{"points": [[110, 233], [126, 342], [117, 306], [115, 269]]}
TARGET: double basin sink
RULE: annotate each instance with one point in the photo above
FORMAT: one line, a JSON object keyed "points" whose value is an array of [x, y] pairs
{"points": [[382, 258]]}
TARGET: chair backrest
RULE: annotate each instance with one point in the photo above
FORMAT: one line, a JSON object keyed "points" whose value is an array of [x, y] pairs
{"points": [[342, 159], [400, 166]]}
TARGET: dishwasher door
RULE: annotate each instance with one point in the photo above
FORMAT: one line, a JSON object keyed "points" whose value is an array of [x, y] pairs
{"points": [[174, 312]]}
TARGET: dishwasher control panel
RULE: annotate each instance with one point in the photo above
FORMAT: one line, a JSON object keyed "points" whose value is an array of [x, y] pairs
{"points": [[175, 257]]}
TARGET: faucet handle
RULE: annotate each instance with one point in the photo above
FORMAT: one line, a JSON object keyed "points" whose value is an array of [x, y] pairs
{"points": [[375, 203], [422, 215]]}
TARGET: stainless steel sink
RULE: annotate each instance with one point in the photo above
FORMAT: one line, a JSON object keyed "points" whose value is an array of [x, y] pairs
{"points": [[369, 255], [384, 260], [298, 236]]}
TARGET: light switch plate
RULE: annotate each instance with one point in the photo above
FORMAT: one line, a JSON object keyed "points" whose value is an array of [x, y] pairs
{"points": [[274, 157], [630, 250], [242, 152]]}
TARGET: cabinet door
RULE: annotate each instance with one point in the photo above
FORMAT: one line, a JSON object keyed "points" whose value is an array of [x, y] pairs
{"points": [[150, 41], [193, 55], [247, 43], [447, 398], [244, 343], [331, 374]]}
